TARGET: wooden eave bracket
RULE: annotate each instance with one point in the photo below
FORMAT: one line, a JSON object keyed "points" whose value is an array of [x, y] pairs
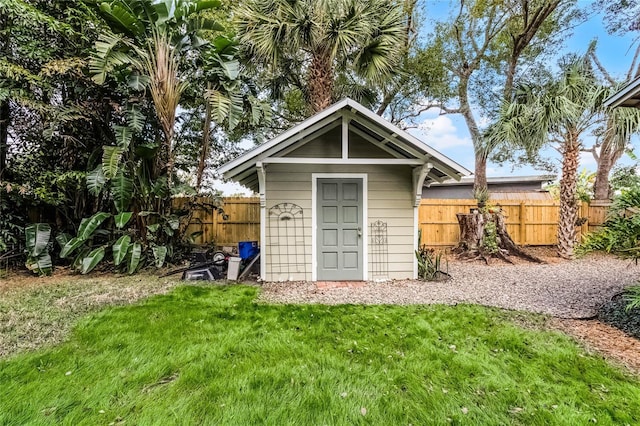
{"points": [[260, 168], [419, 175]]}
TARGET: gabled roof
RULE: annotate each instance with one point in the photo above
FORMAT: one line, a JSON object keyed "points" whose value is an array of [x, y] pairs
{"points": [[628, 96], [386, 135]]}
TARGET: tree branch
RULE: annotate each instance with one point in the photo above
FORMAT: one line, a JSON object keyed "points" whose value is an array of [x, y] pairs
{"points": [[601, 68]]}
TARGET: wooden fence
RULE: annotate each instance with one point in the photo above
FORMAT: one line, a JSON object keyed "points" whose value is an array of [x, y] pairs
{"points": [[238, 220], [531, 222]]}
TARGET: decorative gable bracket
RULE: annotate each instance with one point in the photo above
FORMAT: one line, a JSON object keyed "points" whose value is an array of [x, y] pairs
{"points": [[419, 175]]}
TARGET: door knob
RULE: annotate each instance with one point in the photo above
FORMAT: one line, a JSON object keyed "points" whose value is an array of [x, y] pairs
{"points": [[359, 232]]}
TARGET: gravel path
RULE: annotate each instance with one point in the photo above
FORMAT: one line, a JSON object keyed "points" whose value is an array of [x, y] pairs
{"points": [[565, 289]]}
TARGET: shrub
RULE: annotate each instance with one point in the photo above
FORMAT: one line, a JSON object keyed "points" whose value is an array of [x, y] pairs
{"points": [[430, 264], [620, 233]]}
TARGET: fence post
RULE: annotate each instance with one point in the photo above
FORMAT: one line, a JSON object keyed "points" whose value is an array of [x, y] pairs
{"points": [[523, 224], [584, 228], [215, 225]]}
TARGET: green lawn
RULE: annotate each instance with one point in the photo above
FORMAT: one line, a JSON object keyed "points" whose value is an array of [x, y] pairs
{"points": [[212, 355]]}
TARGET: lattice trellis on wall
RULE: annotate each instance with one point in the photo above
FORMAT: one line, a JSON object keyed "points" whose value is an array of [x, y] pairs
{"points": [[379, 251], [286, 242]]}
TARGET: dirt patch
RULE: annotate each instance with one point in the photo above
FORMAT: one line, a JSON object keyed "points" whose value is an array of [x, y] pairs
{"points": [[16, 280], [41, 311], [596, 336]]}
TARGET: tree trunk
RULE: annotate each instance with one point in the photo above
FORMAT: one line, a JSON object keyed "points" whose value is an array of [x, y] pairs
{"points": [[568, 202], [320, 81], [477, 243], [5, 118], [471, 231], [206, 137], [480, 182], [610, 153], [5, 109]]}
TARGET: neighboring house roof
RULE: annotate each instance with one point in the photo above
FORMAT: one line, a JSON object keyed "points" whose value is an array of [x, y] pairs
{"points": [[468, 181], [501, 188], [628, 96], [404, 147]]}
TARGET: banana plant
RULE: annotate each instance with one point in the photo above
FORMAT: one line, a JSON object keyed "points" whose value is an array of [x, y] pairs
{"points": [[87, 257], [127, 254], [37, 238], [149, 43]]}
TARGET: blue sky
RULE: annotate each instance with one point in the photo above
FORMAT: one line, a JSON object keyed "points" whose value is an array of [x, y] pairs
{"points": [[449, 135]]}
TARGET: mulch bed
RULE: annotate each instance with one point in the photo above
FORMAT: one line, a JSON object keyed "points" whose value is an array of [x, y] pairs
{"points": [[614, 344]]}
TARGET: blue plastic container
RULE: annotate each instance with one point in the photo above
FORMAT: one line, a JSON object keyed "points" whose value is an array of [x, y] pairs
{"points": [[248, 249]]}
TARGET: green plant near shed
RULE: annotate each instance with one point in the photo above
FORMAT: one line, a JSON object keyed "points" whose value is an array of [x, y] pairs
{"points": [[37, 238], [91, 244], [430, 264]]}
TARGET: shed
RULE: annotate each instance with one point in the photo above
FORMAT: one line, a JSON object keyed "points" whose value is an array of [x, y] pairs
{"points": [[339, 196], [502, 188]]}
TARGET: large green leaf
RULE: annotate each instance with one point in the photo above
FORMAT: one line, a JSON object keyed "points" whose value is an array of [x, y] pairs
{"points": [[89, 225], [111, 156], [134, 260], [37, 237], [120, 249], [159, 254], [207, 4], [121, 219], [135, 118], [96, 181], [63, 238], [220, 105], [109, 53], [123, 138], [77, 261], [146, 151], [231, 69], [71, 246], [153, 227], [41, 264], [92, 260], [122, 191], [138, 82], [123, 19], [173, 221], [235, 110], [160, 187]]}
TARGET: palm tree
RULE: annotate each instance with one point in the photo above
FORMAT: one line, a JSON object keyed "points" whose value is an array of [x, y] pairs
{"points": [[323, 38], [558, 112], [613, 139], [618, 125], [148, 43]]}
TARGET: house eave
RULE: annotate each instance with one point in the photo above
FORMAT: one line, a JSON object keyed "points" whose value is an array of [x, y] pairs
{"points": [[628, 96], [497, 180]]}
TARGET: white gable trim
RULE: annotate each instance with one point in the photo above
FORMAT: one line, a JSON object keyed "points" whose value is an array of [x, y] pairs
{"points": [[308, 126], [346, 109]]}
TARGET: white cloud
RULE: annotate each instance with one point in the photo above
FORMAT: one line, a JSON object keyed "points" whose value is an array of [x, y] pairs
{"points": [[440, 124], [230, 188], [440, 133], [587, 161]]}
